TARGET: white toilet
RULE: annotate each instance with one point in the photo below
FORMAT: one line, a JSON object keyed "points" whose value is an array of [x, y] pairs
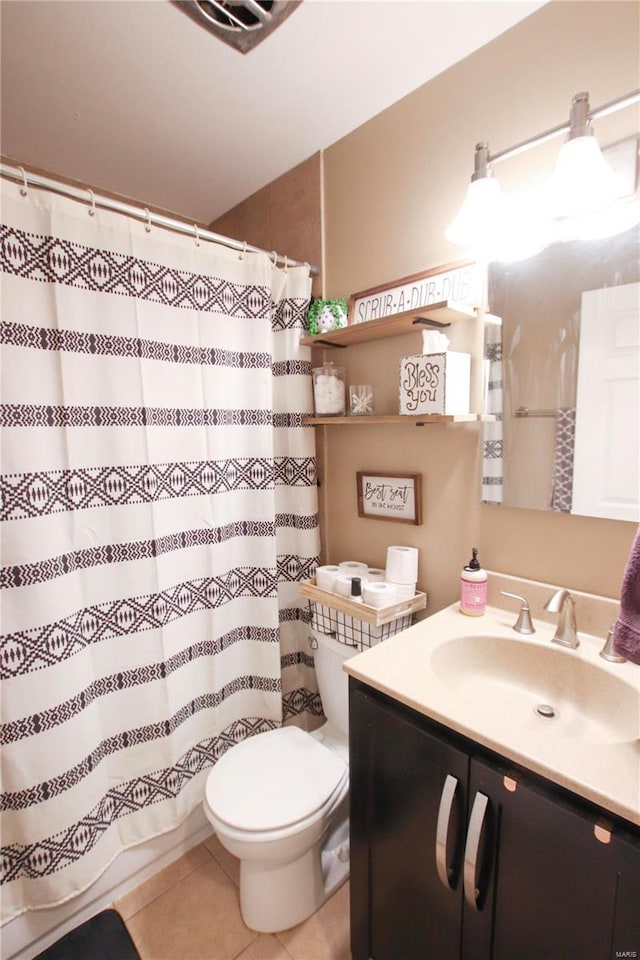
{"points": [[279, 802]]}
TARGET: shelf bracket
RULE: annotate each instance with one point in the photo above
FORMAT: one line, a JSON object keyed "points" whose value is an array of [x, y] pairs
{"points": [[426, 322], [329, 343]]}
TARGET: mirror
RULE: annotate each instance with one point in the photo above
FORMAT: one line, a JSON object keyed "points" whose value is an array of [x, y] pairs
{"points": [[563, 371]]}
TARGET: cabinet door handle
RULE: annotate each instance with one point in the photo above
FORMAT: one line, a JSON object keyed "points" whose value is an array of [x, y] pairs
{"points": [[471, 850], [442, 831]]}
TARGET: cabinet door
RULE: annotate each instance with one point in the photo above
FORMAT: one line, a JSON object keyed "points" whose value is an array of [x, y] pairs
{"points": [[408, 806], [538, 878], [626, 927]]}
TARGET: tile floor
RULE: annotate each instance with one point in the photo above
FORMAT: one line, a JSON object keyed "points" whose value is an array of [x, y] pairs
{"points": [[190, 910]]}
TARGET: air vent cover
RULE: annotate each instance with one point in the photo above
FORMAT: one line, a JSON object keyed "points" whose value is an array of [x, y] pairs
{"points": [[240, 23]]}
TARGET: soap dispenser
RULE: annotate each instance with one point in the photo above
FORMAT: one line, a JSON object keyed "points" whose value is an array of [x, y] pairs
{"points": [[473, 587]]}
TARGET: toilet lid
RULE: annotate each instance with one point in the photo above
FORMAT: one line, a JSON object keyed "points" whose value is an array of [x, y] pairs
{"points": [[273, 779]]}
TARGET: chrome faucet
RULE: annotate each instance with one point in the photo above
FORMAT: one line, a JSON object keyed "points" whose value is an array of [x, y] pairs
{"points": [[566, 632]]}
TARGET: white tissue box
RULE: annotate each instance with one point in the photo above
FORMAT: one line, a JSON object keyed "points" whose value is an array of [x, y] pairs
{"points": [[435, 383]]}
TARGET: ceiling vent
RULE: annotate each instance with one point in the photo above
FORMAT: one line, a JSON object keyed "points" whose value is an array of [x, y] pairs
{"points": [[240, 23]]}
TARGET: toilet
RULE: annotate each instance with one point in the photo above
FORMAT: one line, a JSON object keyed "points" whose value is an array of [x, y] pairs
{"points": [[279, 802]]}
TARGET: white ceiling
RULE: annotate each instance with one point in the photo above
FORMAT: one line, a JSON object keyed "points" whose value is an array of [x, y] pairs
{"points": [[134, 97]]}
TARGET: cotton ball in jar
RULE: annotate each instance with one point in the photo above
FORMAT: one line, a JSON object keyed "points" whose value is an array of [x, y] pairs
{"points": [[329, 390]]}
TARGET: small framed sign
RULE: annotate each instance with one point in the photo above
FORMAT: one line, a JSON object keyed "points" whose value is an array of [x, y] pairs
{"points": [[390, 496]]}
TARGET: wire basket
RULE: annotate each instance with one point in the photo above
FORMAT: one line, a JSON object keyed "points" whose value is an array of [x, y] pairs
{"points": [[357, 624], [352, 631]]}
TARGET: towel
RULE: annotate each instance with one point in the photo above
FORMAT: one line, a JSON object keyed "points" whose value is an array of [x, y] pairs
{"points": [[626, 632]]}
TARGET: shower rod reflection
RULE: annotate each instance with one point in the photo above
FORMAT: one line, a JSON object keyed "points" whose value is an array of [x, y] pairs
{"points": [[86, 195]]}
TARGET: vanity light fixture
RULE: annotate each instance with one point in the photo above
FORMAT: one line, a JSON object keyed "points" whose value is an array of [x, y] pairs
{"points": [[585, 197]]}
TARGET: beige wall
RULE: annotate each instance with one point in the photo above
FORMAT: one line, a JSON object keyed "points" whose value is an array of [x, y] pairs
{"points": [[285, 216], [391, 187]]}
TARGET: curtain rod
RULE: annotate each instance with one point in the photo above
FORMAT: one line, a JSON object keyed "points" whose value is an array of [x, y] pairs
{"points": [[602, 111], [86, 195]]}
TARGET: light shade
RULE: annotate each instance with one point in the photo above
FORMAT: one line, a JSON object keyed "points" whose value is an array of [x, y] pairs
{"points": [[492, 229], [582, 181], [609, 221], [481, 218]]}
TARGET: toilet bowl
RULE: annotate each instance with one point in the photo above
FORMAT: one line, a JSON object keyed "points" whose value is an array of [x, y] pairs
{"points": [[279, 802]]}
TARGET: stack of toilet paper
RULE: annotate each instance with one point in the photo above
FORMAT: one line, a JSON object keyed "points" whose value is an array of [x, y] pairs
{"points": [[378, 590]]}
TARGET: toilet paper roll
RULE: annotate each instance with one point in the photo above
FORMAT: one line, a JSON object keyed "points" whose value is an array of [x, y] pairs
{"points": [[374, 574], [402, 565], [404, 591], [354, 568], [342, 584], [325, 576], [378, 594]]}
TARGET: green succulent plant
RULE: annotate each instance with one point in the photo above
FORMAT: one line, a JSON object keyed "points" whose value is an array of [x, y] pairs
{"points": [[338, 309]]}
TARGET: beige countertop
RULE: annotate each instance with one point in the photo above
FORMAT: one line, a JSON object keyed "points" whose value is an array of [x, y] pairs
{"points": [[478, 677]]}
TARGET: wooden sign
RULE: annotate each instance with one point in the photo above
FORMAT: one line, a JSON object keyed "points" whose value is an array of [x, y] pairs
{"points": [[459, 283], [435, 383], [390, 496]]}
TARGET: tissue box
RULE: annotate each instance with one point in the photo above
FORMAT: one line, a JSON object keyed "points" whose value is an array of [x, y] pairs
{"points": [[435, 383]]}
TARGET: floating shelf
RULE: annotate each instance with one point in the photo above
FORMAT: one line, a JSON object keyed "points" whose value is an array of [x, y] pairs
{"points": [[441, 314], [405, 420]]}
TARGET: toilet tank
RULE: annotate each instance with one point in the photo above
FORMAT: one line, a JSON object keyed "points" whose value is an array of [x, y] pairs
{"points": [[333, 682]]}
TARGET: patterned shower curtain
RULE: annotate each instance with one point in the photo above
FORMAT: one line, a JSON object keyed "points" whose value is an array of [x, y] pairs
{"points": [[158, 500]]}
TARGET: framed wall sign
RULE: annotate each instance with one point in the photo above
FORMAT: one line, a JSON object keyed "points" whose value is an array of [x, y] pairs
{"points": [[459, 283], [390, 496]]}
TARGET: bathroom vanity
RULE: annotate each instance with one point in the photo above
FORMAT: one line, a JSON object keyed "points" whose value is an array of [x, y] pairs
{"points": [[479, 828]]}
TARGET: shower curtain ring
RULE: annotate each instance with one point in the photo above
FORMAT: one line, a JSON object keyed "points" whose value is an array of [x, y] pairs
{"points": [[148, 226], [92, 209], [286, 264], [308, 266], [197, 233], [275, 258], [244, 250], [23, 188]]}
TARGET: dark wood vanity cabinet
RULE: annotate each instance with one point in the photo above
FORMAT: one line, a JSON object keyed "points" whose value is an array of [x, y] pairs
{"points": [[455, 858]]}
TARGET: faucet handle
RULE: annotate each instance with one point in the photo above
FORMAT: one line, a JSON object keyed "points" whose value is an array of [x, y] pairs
{"points": [[608, 653], [523, 624]]}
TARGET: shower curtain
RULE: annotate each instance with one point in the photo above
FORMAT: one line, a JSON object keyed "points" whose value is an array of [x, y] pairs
{"points": [[158, 502], [492, 439]]}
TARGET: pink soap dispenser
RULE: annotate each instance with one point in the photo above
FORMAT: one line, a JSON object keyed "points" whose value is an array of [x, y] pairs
{"points": [[473, 587]]}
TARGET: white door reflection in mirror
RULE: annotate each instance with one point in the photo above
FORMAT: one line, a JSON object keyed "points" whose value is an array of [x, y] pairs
{"points": [[607, 443]]}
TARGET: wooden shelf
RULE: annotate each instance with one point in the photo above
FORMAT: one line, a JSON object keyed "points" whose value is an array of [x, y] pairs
{"points": [[441, 314], [405, 420]]}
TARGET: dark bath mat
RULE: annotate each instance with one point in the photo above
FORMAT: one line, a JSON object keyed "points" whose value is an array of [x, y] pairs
{"points": [[103, 937]]}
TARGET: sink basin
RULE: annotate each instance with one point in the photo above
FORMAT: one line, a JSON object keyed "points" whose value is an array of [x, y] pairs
{"points": [[514, 677]]}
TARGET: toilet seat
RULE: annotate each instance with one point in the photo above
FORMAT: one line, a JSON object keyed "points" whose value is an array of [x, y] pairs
{"points": [[274, 780]]}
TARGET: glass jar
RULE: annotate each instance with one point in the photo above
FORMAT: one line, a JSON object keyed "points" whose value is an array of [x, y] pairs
{"points": [[360, 400], [329, 390]]}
